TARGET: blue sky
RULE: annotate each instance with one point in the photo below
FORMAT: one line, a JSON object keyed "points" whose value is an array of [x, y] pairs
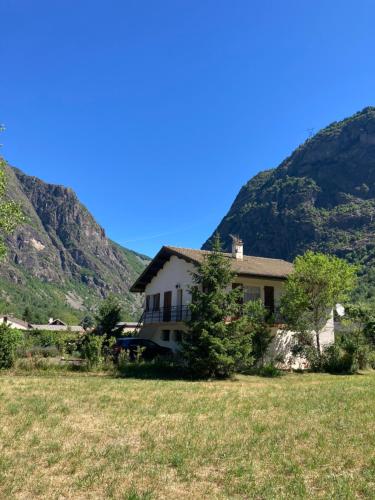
{"points": [[157, 112]]}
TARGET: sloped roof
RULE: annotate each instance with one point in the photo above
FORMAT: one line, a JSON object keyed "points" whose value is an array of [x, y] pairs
{"points": [[249, 266], [17, 321], [58, 328]]}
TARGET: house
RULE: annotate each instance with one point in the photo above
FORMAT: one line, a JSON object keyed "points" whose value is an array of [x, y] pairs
{"points": [[53, 325], [167, 279], [12, 322]]}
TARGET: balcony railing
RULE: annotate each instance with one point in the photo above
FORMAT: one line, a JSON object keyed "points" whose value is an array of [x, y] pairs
{"points": [[183, 313], [167, 314]]}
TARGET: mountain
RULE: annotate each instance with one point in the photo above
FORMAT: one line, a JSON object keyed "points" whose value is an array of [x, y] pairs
{"points": [[322, 197], [60, 262]]}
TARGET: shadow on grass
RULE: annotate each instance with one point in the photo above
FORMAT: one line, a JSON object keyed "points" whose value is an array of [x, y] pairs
{"points": [[154, 371]]}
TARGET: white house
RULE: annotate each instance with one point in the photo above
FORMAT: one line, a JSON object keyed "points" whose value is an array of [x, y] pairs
{"points": [[12, 322], [167, 279]]}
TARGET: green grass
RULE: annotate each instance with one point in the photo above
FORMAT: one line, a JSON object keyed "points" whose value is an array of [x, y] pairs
{"points": [[88, 436]]}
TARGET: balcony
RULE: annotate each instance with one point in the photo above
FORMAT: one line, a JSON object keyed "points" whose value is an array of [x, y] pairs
{"points": [[167, 314], [183, 313]]}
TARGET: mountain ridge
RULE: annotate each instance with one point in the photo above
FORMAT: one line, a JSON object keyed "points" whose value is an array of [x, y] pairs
{"points": [[62, 248], [321, 197]]}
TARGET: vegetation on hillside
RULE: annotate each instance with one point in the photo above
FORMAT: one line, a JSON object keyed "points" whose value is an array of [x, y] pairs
{"points": [[59, 262], [320, 198]]}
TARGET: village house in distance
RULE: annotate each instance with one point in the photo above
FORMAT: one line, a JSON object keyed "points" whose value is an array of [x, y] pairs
{"points": [[167, 279]]}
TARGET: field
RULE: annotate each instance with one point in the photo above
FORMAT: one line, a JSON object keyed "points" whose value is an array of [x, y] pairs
{"points": [[86, 436]]}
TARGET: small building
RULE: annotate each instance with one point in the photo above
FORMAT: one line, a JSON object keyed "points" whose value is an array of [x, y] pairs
{"points": [[15, 323], [166, 282]]}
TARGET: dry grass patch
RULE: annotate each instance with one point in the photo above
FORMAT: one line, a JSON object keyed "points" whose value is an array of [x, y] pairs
{"points": [[77, 436]]}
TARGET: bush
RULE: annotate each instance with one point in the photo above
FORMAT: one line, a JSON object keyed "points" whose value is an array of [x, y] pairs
{"points": [[44, 352], [371, 360], [91, 350], [10, 340], [269, 370], [337, 360], [63, 341]]}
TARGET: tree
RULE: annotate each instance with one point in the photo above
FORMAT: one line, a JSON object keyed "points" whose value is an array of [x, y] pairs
{"points": [[11, 214], [218, 341], [10, 340], [317, 283], [108, 316], [87, 322], [354, 333], [27, 315], [258, 317]]}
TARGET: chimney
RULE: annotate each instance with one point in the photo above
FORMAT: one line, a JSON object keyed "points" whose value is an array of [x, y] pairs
{"points": [[237, 247], [50, 321]]}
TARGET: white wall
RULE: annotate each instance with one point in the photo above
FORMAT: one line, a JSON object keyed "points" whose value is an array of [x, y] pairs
{"points": [[16, 326], [175, 272], [262, 282]]}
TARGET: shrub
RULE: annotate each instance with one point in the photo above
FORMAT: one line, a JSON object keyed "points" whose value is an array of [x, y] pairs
{"points": [[269, 370], [371, 360], [91, 350], [10, 341], [337, 360], [63, 341], [44, 352]]}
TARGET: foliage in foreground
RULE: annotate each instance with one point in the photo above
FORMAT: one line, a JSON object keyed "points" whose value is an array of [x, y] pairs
{"points": [[218, 341], [10, 340], [317, 283]]}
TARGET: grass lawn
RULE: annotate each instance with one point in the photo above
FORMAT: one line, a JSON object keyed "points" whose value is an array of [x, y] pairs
{"points": [[86, 436]]}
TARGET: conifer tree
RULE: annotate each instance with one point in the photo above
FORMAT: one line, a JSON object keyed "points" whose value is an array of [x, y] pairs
{"points": [[218, 341]]}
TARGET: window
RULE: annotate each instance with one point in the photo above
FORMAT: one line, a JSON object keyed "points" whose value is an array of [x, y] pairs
{"points": [[251, 293], [156, 302], [178, 336], [165, 335]]}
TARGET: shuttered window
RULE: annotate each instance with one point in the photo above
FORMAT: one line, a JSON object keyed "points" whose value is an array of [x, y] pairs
{"points": [[156, 302]]}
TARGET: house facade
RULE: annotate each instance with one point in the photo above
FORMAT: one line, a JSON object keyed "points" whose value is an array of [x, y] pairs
{"points": [[168, 278]]}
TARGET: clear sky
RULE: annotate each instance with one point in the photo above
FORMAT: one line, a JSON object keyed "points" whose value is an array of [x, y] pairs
{"points": [[157, 112]]}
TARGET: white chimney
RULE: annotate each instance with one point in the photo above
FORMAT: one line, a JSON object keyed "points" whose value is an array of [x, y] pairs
{"points": [[237, 247], [50, 321]]}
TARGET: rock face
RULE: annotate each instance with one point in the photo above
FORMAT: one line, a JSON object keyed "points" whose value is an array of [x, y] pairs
{"points": [[61, 245], [322, 197]]}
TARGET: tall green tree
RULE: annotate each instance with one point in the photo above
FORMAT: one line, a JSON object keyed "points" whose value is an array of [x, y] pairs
{"points": [[87, 322], [11, 214], [108, 316], [218, 341], [317, 283]]}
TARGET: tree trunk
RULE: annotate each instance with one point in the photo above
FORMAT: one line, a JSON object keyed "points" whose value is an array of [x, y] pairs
{"points": [[317, 337]]}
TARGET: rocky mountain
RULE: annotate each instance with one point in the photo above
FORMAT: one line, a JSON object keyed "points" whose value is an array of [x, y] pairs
{"points": [[321, 197], [60, 262]]}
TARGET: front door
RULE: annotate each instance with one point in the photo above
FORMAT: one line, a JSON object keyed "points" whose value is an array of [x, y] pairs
{"points": [[269, 298], [167, 306]]}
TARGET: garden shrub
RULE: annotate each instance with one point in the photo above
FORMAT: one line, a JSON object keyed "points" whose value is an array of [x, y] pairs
{"points": [[269, 370], [91, 349], [337, 360], [10, 341]]}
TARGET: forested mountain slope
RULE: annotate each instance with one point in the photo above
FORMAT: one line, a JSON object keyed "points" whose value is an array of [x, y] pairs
{"points": [[321, 197]]}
